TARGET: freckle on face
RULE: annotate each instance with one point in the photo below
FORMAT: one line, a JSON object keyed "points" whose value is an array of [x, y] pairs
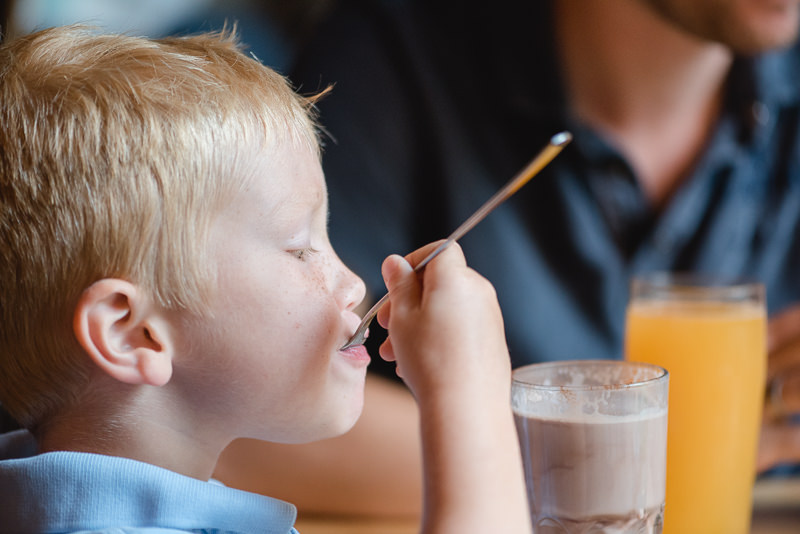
{"points": [[320, 280]]}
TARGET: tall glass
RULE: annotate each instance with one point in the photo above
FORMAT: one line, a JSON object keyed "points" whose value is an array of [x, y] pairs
{"points": [[711, 337], [593, 436]]}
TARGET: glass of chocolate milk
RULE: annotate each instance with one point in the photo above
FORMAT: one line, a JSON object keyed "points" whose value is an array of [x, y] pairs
{"points": [[593, 436]]}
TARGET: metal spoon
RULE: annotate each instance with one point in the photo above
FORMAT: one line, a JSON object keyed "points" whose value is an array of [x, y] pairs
{"points": [[556, 144]]}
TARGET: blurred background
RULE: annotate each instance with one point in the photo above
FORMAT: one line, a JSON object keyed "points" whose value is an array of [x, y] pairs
{"points": [[271, 29]]}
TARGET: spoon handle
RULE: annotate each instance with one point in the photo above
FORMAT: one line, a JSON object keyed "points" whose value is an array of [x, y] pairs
{"points": [[556, 144]]}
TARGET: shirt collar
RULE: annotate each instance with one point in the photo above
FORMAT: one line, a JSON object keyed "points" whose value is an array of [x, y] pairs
{"points": [[71, 491], [759, 86], [777, 76]]}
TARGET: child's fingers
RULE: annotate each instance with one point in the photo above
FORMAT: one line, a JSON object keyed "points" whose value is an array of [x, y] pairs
{"points": [[389, 270], [418, 255], [448, 268], [402, 284], [384, 314], [451, 257], [453, 248], [386, 350]]}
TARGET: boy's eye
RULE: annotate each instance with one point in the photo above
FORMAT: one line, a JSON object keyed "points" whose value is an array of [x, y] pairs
{"points": [[303, 253]]}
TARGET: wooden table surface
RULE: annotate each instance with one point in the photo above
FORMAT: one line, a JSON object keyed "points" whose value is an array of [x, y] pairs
{"points": [[776, 510], [776, 506]]}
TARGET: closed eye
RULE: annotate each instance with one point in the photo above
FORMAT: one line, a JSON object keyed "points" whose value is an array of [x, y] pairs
{"points": [[303, 254]]}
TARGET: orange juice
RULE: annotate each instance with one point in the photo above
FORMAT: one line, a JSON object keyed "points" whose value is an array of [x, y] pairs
{"points": [[715, 353]]}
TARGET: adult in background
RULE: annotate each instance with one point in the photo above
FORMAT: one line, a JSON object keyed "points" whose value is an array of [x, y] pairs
{"points": [[686, 157]]}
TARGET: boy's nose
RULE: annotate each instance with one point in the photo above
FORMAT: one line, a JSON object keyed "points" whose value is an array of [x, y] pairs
{"points": [[353, 288]]}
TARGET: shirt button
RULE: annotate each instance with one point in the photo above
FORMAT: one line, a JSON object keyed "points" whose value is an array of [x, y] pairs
{"points": [[760, 113]]}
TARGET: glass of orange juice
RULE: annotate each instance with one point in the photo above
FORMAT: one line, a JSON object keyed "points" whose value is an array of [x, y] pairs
{"points": [[711, 337]]}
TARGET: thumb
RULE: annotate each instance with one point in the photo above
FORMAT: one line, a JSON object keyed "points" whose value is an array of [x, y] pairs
{"points": [[394, 269], [401, 280]]}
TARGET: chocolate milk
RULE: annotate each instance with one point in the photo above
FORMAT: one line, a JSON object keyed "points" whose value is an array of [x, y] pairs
{"points": [[598, 471]]}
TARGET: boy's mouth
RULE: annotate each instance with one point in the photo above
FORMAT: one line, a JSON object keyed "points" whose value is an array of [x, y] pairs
{"points": [[357, 354]]}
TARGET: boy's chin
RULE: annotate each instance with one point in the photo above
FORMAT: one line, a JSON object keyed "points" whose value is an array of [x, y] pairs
{"points": [[334, 425], [337, 430], [341, 422]]}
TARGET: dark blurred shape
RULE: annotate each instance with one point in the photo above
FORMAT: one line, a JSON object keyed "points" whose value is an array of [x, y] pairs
{"points": [[5, 17], [7, 423], [273, 30], [299, 17]]}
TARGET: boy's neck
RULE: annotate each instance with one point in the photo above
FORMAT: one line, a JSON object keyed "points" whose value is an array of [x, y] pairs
{"points": [[652, 89], [151, 436]]}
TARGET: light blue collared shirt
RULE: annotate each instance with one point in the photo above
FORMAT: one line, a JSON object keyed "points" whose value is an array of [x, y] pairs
{"points": [[81, 492]]}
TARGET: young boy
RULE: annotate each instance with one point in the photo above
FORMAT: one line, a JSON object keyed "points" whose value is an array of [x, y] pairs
{"points": [[168, 286]]}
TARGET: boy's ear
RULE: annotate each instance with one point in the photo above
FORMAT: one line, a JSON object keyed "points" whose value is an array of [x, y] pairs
{"points": [[124, 333]]}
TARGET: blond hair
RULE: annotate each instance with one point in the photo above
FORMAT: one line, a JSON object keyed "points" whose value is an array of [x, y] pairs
{"points": [[115, 154]]}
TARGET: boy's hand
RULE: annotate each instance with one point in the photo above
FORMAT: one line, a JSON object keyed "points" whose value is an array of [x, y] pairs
{"points": [[445, 326], [446, 335]]}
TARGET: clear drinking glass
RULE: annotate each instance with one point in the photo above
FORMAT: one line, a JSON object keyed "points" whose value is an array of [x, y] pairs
{"points": [[593, 437], [711, 336]]}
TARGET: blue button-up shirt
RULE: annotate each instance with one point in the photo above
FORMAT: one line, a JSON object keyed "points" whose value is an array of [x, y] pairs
{"points": [[80, 492], [433, 109]]}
